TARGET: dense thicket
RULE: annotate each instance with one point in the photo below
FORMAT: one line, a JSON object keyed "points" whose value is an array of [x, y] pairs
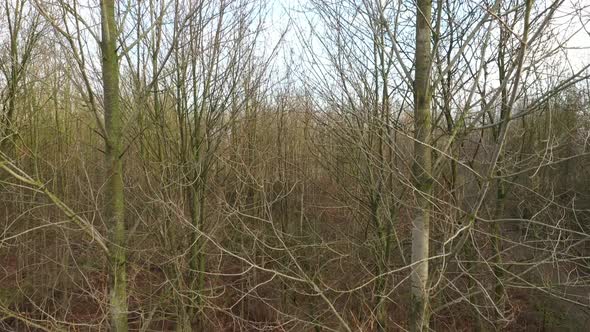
{"points": [[351, 165]]}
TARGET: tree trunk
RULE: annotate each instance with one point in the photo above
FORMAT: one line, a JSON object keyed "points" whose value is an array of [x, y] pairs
{"points": [[114, 201], [421, 169]]}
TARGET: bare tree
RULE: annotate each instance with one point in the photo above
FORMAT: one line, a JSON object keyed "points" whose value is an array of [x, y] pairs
{"points": [[422, 169]]}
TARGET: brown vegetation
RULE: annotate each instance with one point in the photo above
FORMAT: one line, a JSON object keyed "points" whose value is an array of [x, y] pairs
{"points": [[384, 166]]}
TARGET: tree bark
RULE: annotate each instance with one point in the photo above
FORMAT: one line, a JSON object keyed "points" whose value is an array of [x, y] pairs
{"points": [[421, 169], [114, 209]]}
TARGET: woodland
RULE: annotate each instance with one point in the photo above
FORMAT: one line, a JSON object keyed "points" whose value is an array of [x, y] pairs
{"points": [[310, 165]]}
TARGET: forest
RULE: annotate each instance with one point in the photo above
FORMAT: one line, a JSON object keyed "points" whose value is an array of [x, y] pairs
{"points": [[308, 165]]}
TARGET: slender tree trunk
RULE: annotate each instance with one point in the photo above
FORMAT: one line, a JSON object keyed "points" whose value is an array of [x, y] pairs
{"points": [[114, 200], [500, 187], [421, 169], [6, 139]]}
